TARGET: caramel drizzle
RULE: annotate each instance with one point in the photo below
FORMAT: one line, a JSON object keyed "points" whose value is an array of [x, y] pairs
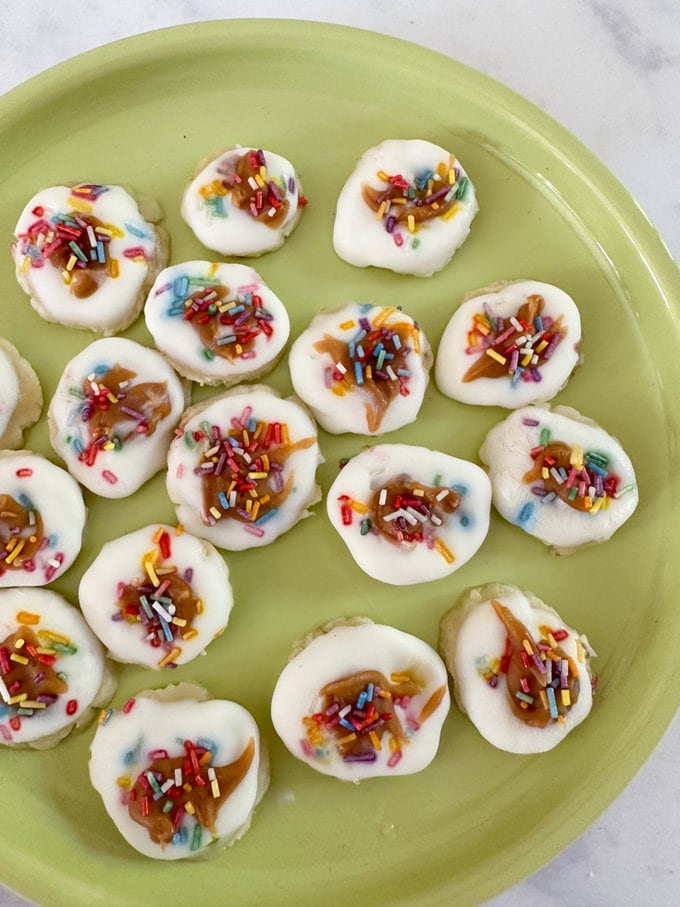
{"points": [[21, 532], [401, 199], [173, 587], [245, 177], [27, 672], [400, 495], [208, 312], [87, 271]]}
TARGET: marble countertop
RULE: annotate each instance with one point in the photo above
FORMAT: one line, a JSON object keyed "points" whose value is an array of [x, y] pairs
{"points": [[610, 73]]}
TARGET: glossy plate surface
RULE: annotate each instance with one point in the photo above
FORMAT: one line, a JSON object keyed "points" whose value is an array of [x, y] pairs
{"points": [[144, 112]]}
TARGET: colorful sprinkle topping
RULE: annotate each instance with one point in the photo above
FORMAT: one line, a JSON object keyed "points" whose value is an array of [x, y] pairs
{"points": [[374, 359], [243, 469], [21, 533], [579, 478], [244, 177], [357, 711], [515, 347], [160, 602], [116, 410], [177, 799], [227, 323], [541, 681], [398, 202]]}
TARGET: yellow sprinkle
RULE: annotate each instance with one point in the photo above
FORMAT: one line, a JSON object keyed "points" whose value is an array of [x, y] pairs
{"points": [[190, 808], [580, 651], [179, 529], [284, 434], [190, 634], [265, 499], [382, 176], [452, 177], [576, 456], [566, 698], [199, 606], [215, 512], [597, 505], [415, 339], [32, 704], [170, 657], [348, 738], [249, 505], [109, 445], [205, 758], [123, 781], [400, 678], [215, 788], [383, 316], [553, 656], [346, 325], [587, 504], [544, 699], [358, 507], [444, 551], [51, 636], [545, 473], [339, 390], [374, 740], [257, 475], [526, 359], [411, 223], [541, 346], [256, 435], [188, 788], [393, 745], [25, 264], [381, 211], [493, 354], [151, 572], [528, 648], [398, 201], [103, 230], [79, 204], [441, 169], [114, 269], [19, 644], [369, 372], [259, 180], [419, 492], [16, 551], [157, 535], [453, 210], [13, 700], [66, 277], [115, 231], [27, 618], [572, 667], [179, 621], [552, 641], [71, 263], [255, 511], [43, 650], [384, 694]]}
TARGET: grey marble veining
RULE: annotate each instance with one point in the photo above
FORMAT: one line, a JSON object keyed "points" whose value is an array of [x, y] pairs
{"points": [[609, 71]]}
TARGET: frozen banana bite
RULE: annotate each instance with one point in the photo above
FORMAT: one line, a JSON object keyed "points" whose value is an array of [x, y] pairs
{"points": [[42, 517], [87, 255], [519, 672], [407, 207], [409, 514], [20, 396], [216, 323], [157, 596], [113, 414], [242, 468], [359, 700], [178, 772], [244, 202], [362, 368], [510, 345], [52, 668], [559, 476]]}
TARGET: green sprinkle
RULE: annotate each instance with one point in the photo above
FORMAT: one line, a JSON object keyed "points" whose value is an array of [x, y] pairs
{"points": [[196, 838], [365, 526], [523, 696], [189, 439], [65, 650], [545, 437], [208, 354], [437, 479], [462, 187]]}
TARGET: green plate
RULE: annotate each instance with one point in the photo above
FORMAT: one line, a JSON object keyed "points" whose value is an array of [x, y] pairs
{"points": [[144, 111]]}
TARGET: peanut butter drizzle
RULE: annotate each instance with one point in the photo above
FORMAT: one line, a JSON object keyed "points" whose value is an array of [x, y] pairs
{"points": [[561, 454], [211, 325], [536, 714], [181, 593], [245, 197], [380, 391], [230, 480], [432, 704], [106, 418], [15, 524], [400, 494], [36, 678], [488, 367], [346, 692], [417, 206], [85, 278], [160, 825]]}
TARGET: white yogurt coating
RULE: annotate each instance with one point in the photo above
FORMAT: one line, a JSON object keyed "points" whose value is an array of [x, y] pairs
{"points": [[340, 650], [473, 641], [132, 250], [69, 649], [116, 462], [248, 324], [533, 360], [46, 514], [363, 236], [535, 506], [449, 539], [374, 377], [20, 396], [156, 635], [209, 209], [128, 740], [248, 427]]}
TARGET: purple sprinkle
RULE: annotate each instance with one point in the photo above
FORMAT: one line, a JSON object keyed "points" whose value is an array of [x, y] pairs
{"points": [[135, 414], [260, 157], [117, 616], [493, 681], [275, 191], [538, 490], [365, 324], [389, 226], [440, 193], [361, 757], [291, 185], [188, 574], [382, 376], [536, 375], [532, 423]]}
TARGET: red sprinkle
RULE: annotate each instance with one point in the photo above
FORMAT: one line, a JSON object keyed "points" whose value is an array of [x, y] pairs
{"points": [[71, 706], [24, 473]]}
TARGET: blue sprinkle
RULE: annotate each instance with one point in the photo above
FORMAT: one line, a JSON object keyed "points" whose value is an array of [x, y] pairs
{"points": [[396, 342], [514, 381], [359, 337], [230, 338], [101, 369], [365, 307], [597, 469], [358, 373], [551, 702], [405, 372], [207, 744], [266, 516], [361, 701], [360, 351], [376, 349], [538, 323], [26, 502], [351, 349], [101, 255], [369, 692], [232, 441], [459, 489], [136, 231], [223, 500], [549, 497], [252, 425], [465, 521], [526, 512], [345, 723], [237, 309], [180, 286]]}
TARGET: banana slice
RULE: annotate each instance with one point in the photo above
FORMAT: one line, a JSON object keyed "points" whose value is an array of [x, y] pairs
{"points": [[20, 396]]}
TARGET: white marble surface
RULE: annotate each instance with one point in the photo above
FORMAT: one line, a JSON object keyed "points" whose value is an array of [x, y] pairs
{"points": [[608, 70]]}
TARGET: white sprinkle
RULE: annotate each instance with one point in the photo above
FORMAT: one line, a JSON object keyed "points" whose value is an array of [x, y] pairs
{"points": [[178, 777], [160, 610], [345, 711], [341, 368], [383, 497], [4, 692], [442, 494], [435, 519], [390, 372], [416, 514], [556, 476], [167, 785]]}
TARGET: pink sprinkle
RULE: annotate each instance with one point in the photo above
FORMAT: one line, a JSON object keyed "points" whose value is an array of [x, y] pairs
{"points": [[109, 476], [5, 731], [413, 724], [127, 708], [248, 288], [306, 748], [135, 252], [394, 759], [28, 566], [179, 470], [398, 239], [254, 530], [157, 754]]}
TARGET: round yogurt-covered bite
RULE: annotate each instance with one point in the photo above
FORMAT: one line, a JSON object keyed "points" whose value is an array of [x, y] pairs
{"points": [[87, 255], [52, 668], [363, 368], [177, 772], [359, 700], [407, 207], [245, 201], [42, 517], [157, 596], [216, 323], [20, 396], [113, 414], [559, 476], [242, 468], [520, 674], [409, 514], [510, 345]]}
